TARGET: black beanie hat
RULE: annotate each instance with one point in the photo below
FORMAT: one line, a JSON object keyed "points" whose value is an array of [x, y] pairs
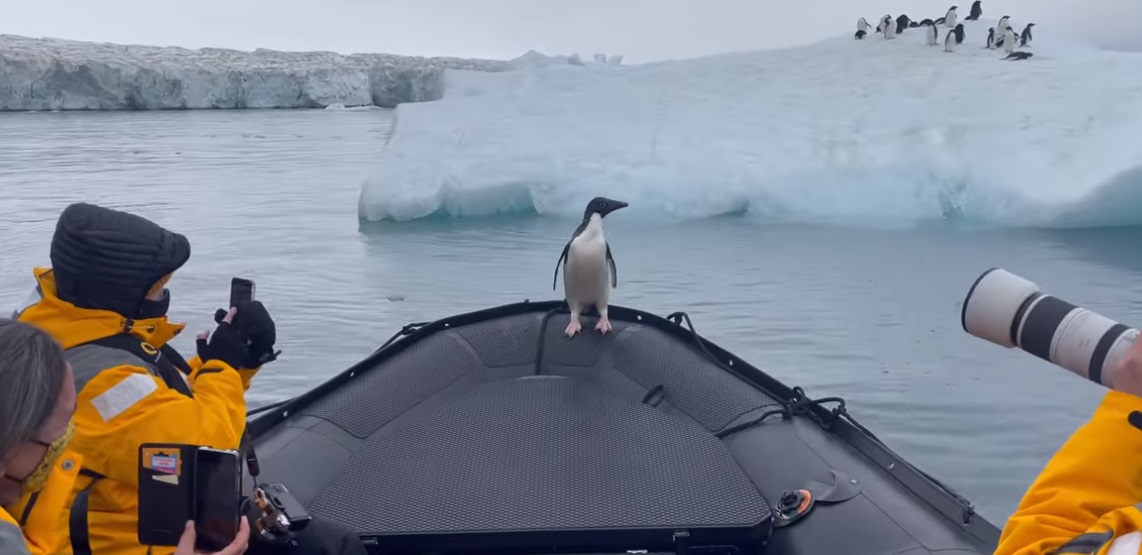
{"points": [[108, 259]]}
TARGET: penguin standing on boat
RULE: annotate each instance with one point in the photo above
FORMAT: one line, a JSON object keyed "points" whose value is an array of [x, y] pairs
{"points": [[589, 270], [976, 11], [933, 33], [862, 29], [1025, 36], [950, 17]]}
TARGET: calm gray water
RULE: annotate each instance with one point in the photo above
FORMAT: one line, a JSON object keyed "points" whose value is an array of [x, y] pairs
{"points": [[869, 315]]}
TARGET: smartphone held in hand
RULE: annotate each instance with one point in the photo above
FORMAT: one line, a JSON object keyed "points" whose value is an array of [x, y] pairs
{"points": [[241, 291], [217, 503], [180, 482]]}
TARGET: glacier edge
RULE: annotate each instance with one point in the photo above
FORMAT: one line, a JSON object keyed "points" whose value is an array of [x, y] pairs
{"points": [[40, 74]]}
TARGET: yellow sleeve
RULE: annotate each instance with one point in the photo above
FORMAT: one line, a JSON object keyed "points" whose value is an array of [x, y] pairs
{"points": [[246, 373], [1097, 471], [124, 406]]}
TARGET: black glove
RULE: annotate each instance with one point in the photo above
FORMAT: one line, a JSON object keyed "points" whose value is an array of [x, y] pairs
{"points": [[226, 344], [259, 330]]}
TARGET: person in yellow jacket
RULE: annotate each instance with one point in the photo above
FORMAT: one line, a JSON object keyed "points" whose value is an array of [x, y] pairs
{"points": [[104, 300], [37, 468], [37, 399], [1088, 498]]}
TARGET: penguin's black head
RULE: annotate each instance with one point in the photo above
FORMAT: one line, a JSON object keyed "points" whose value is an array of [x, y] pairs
{"points": [[954, 8], [1030, 24], [602, 206]]}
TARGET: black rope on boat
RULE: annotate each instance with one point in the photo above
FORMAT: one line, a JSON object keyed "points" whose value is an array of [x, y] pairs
{"points": [[801, 404], [406, 330], [677, 318], [654, 396], [543, 339]]}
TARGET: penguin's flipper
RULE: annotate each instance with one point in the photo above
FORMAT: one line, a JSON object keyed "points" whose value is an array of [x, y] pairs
{"points": [[614, 269], [559, 264]]}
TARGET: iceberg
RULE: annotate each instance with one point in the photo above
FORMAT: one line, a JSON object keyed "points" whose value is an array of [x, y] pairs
{"points": [[533, 59], [868, 132], [54, 74]]}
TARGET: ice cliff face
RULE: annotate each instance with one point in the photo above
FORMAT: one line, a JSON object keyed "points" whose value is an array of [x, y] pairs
{"points": [[870, 133], [54, 74]]}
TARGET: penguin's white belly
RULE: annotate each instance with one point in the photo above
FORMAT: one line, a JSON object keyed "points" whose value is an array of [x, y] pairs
{"points": [[586, 275]]}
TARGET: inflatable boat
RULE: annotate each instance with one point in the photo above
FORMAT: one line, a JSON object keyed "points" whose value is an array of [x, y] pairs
{"points": [[494, 432]]}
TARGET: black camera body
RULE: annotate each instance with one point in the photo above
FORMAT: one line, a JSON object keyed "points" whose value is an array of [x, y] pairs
{"points": [[276, 514]]}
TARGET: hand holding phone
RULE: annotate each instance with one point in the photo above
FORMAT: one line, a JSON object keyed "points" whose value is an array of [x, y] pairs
{"points": [[241, 291], [217, 503], [180, 482], [253, 322], [236, 547]]}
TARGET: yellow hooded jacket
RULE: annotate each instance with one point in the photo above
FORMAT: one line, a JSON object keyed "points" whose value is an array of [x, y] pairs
{"points": [[42, 514], [1088, 498], [122, 404]]}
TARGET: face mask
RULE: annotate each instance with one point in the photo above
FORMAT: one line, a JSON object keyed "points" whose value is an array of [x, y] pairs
{"points": [[36, 480]]}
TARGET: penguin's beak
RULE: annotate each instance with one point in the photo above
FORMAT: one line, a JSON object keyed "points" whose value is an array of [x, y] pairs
{"points": [[613, 205]]}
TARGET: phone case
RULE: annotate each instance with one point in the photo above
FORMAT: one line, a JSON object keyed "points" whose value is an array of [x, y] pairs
{"points": [[166, 492]]}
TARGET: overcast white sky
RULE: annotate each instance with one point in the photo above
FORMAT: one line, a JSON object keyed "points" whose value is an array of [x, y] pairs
{"points": [[643, 30]]}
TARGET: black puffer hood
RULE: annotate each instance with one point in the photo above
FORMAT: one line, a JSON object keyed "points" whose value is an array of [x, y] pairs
{"points": [[107, 259]]}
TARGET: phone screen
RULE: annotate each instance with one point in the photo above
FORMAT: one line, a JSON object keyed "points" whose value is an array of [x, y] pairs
{"points": [[241, 291], [217, 490]]}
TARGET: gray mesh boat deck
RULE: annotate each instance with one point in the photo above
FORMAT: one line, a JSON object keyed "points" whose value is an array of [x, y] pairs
{"points": [[493, 428]]}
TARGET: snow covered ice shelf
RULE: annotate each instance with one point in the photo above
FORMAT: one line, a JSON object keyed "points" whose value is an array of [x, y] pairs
{"points": [[874, 131], [54, 74]]}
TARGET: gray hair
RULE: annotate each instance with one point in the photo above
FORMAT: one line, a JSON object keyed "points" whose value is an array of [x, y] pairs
{"points": [[32, 370]]}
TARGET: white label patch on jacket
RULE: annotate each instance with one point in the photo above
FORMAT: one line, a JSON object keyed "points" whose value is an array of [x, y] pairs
{"points": [[123, 395], [1130, 544]]}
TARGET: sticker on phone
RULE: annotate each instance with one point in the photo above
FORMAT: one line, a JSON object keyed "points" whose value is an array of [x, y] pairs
{"points": [[162, 461], [167, 464]]}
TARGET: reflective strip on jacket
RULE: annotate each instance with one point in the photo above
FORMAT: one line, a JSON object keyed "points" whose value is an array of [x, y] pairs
{"points": [[1088, 499], [122, 404], [41, 526]]}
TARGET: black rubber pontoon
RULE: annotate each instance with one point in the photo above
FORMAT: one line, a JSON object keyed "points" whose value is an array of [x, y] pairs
{"points": [[470, 433]]}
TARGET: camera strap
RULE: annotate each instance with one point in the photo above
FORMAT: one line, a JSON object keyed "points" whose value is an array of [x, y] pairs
{"points": [[169, 366]]}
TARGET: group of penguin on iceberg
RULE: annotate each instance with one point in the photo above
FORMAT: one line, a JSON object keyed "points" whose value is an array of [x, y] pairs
{"points": [[1001, 36]]}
